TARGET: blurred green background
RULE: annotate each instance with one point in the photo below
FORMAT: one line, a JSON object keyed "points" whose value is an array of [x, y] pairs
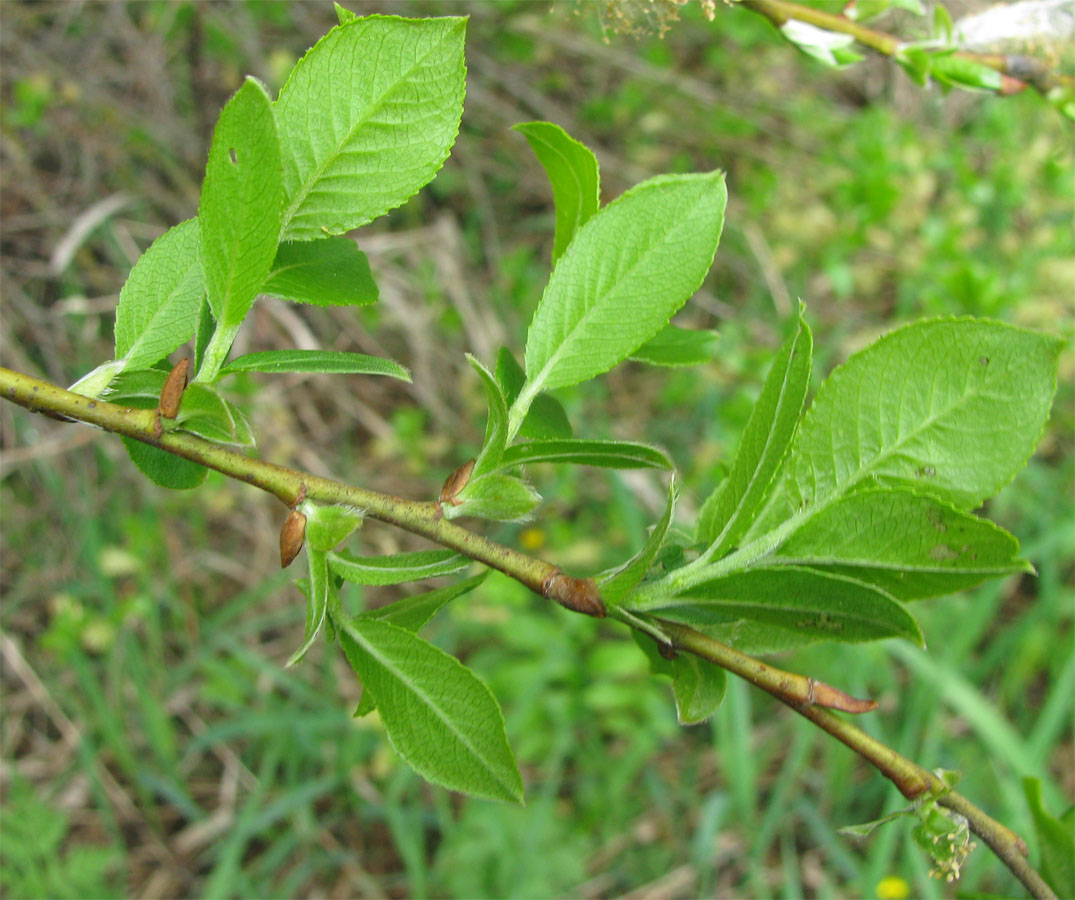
{"points": [[152, 744]]}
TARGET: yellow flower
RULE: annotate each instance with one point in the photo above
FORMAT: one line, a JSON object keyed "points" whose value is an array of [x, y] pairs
{"points": [[893, 888]]}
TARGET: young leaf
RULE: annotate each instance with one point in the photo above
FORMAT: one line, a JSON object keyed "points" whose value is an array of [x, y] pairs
{"points": [[730, 509], [502, 498], [158, 304], [968, 74], [203, 333], [316, 601], [328, 525], [572, 170], [165, 469], [629, 268], [605, 454], [948, 407], [617, 583], [829, 47], [324, 361], [909, 545], [815, 604], [1056, 841], [546, 419], [366, 119], [496, 429], [205, 413], [397, 568], [673, 346], [439, 717], [412, 613], [329, 272], [240, 207], [698, 686]]}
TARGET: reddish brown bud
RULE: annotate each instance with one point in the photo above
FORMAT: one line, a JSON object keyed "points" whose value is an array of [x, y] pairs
{"points": [[172, 392], [577, 594], [292, 536], [455, 482]]}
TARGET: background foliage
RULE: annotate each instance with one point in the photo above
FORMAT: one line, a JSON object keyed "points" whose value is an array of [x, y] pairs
{"points": [[149, 727]]}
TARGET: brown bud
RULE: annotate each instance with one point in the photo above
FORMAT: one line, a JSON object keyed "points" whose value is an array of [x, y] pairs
{"points": [[172, 392], [455, 482], [292, 536], [577, 594]]}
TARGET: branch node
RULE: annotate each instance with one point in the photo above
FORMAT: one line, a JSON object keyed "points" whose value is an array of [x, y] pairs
{"points": [[577, 594]]}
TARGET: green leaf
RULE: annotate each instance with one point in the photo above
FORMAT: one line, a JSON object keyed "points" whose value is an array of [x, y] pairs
{"points": [[697, 686], [619, 581], [947, 407], [942, 23], [328, 272], [203, 333], [495, 496], [546, 418], [572, 170], [412, 613], [240, 209], [916, 62], [806, 602], [732, 507], [1056, 841], [629, 268], [909, 545], [605, 454], [316, 601], [205, 413], [158, 304], [165, 469], [673, 346], [396, 568], [143, 385], [323, 361], [344, 15], [496, 429], [438, 716], [965, 73], [328, 525], [366, 119], [829, 47]]}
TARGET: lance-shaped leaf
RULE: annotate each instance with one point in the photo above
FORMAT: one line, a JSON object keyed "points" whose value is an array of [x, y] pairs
{"points": [[412, 613], [546, 418], [203, 332], [811, 603], [1056, 841], [396, 568], [628, 269], [317, 596], [604, 454], [324, 361], [697, 685], [573, 174], [158, 304], [240, 209], [502, 498], [329, 272], [496, 428], [910, 545], [619, 581], [366, 119], [948, 407], [674, 346], [439, 717], [731, 508]]}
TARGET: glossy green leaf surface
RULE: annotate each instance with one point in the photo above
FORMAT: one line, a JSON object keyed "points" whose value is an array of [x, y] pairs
{"points": [[673, 346], [396, 568], [159, 303], [604, 454], [323, 361], [442, 720], [910, 545], [697, 685], [240, 209], [328, 272], [573, 174], [366, 119], [730, 509], [628, 269], [165, 469]]}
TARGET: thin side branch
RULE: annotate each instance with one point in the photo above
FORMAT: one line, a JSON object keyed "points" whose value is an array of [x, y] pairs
{"points": [[807, 697]]}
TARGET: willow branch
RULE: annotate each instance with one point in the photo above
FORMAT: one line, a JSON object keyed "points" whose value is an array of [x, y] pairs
{"points": [[1019, 69], [911, 779], [806, 696]]}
